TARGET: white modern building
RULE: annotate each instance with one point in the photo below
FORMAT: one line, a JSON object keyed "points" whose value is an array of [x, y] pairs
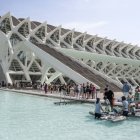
{"points": [[34, 51]]}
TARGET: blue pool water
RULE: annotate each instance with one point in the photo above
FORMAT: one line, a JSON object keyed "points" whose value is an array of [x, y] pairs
{"points": [[27, 117]]}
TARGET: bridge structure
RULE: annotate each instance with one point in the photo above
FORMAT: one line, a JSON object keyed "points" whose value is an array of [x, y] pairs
{"points": [[35, 51]]}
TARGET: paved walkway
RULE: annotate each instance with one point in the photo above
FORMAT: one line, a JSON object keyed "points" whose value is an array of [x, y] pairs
{"points": [[62, 96]]}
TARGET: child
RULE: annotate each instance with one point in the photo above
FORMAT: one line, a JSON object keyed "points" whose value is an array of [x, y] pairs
{"points": [[130, 98], [107, 105], [132, 108]]}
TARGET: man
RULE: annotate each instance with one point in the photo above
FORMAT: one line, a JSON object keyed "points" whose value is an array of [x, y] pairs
{"points": [[110, 96], [125, 106], [98, 109], [126, 88]]}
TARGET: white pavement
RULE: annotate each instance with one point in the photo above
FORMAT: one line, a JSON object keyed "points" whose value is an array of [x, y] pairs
{"points": [[58, 95]]}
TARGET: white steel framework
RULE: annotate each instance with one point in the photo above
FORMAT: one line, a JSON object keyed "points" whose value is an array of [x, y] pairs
{"points": [[112, 59]]}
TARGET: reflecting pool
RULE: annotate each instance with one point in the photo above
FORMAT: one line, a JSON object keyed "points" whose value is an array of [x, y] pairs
{"points": [[28, 117]]}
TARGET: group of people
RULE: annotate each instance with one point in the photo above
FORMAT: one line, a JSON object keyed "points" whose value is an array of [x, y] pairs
{"points": [[132, 100], [108, 102], [89, 91], [99, 109], [85, 90], [129, 101]]}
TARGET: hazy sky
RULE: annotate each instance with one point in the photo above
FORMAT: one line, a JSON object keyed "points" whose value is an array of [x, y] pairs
{"points": [[115, 19]]}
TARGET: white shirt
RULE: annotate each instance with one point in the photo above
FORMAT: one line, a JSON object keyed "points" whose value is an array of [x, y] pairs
{"points": [[79, 87], [107, 102], [125, 105], [98, 108]]}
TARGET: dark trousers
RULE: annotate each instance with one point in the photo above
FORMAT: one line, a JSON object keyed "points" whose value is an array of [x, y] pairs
{"points": [[125, 113], [97, 115]]}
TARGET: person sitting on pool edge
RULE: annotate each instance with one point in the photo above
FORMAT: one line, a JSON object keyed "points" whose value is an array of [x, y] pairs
{"points": [[132, 108], [125, 106], [98, 108]]}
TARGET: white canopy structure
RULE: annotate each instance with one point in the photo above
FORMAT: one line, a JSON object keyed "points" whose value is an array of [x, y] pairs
{"points": [[114, 61]]}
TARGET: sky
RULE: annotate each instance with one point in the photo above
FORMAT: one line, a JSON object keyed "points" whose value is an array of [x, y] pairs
{"points": [[114, 19]]}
